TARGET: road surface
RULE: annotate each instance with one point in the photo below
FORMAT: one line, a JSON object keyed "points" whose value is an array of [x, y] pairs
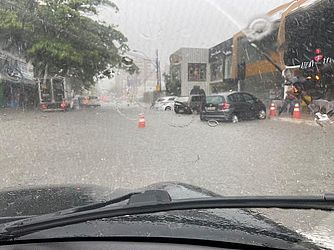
{"points": [[105, 147]]}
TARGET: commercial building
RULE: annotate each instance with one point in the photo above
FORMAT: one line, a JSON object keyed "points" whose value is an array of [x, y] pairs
{"points": [[190, 66], [17, 87], [220, 63], [298, 30]]}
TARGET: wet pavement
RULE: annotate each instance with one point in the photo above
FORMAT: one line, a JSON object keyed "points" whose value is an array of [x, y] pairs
{"points": [[106, 147]]}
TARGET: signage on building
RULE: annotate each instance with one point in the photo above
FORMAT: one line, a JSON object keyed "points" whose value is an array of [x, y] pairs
{"points": [[220, 51]]}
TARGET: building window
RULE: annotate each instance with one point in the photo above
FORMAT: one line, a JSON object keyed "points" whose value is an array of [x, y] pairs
{"points": [[196, 72], [228, 67], [216, 71]]}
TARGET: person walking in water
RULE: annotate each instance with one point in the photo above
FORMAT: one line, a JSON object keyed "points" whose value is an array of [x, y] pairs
{"points": [[291, 98]]}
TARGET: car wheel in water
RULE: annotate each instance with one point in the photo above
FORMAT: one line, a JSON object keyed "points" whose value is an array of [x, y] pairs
{"points": [[262, 115], [168, 108], [235, 118]]}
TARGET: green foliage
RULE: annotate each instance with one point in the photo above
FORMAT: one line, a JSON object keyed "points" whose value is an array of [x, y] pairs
{"points": [[173, 85], [59, 34]]}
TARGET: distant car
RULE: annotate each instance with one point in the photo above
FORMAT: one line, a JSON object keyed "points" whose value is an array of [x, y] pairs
{"points": [[164, 103], [232, 106], [89, 101]]}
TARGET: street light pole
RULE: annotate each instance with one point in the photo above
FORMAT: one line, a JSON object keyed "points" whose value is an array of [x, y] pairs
{"points": [[158, 71]]}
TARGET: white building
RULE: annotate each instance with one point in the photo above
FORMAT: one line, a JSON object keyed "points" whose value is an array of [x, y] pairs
{"points": [[191, 67]]}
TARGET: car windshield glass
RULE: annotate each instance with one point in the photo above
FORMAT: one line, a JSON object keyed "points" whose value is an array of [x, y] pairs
{"points": [[234, 97], [214, 99]]}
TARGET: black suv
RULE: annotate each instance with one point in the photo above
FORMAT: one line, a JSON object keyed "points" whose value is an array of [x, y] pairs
{"points": [[232, 106]]}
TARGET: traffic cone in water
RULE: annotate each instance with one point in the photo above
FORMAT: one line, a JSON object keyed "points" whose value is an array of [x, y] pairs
{"points": [[272, 112], [296, 112], [141, 121]]}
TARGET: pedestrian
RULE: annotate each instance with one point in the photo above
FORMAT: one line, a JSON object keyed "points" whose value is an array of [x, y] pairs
{"points": [[290, 99]]}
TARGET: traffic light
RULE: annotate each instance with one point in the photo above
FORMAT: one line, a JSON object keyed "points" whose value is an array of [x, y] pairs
{"points": [[242, 71], [318, 55]]}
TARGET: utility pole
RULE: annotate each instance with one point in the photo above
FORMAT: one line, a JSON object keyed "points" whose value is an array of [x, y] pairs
{"points": [[158, 71]]}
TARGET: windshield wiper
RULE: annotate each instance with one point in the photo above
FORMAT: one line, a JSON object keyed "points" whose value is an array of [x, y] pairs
{"points": [[154, 201]]}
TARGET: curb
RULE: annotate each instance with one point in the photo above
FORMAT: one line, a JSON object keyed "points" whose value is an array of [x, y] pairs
{"points": [[295, 121]]}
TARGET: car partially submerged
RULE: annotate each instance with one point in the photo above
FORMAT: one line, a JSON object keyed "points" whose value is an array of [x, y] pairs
{"points": [[189, 104], [165, 103], [232, 106]]}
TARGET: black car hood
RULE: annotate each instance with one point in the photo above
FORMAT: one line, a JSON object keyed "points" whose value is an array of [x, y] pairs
{"points": [[236, 225]]}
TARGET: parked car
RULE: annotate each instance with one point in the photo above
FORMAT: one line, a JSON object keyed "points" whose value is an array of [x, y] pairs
{"points": [[164, 103], [232, 106], [188, 105], [181, 105]]}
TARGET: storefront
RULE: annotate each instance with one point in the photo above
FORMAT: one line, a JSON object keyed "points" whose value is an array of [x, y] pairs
{"points": [[220, 60], [17, 87], [17, 94]]}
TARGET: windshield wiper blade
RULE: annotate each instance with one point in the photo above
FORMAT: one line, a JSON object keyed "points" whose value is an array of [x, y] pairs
{"points": [[103, 203], [139, 204]]}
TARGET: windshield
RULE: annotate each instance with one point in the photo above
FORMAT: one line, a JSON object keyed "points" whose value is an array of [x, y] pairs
{"points": [[119, 65]]}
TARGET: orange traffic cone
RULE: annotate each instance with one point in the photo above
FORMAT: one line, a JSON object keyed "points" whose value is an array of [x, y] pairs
{"points": [[141, 121], [296, 112], [272, 111]]}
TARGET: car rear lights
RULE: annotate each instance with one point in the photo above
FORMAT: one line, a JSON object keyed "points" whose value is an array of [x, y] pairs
{"points": [[224, 106], [63, 105], [43, 106]]}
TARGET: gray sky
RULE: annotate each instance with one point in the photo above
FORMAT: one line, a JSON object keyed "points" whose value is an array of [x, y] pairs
{"points": [[168, 25]]}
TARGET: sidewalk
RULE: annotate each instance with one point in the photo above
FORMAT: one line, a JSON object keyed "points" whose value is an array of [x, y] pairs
{"points": [[305, 119]]}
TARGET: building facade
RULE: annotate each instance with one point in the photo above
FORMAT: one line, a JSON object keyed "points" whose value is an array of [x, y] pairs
{"points": [[190, 66], [258, 67], [220, 62], [17, 86]]}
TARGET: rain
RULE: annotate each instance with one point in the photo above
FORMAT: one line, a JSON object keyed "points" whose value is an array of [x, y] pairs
{"points": [[88, 112]]}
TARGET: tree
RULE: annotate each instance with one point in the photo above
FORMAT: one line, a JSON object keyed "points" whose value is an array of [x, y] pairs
{"points": [[61, 40], [173, 85]]}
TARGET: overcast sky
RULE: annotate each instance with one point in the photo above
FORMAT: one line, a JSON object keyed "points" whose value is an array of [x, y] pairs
{"points": [[168, 25]]}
